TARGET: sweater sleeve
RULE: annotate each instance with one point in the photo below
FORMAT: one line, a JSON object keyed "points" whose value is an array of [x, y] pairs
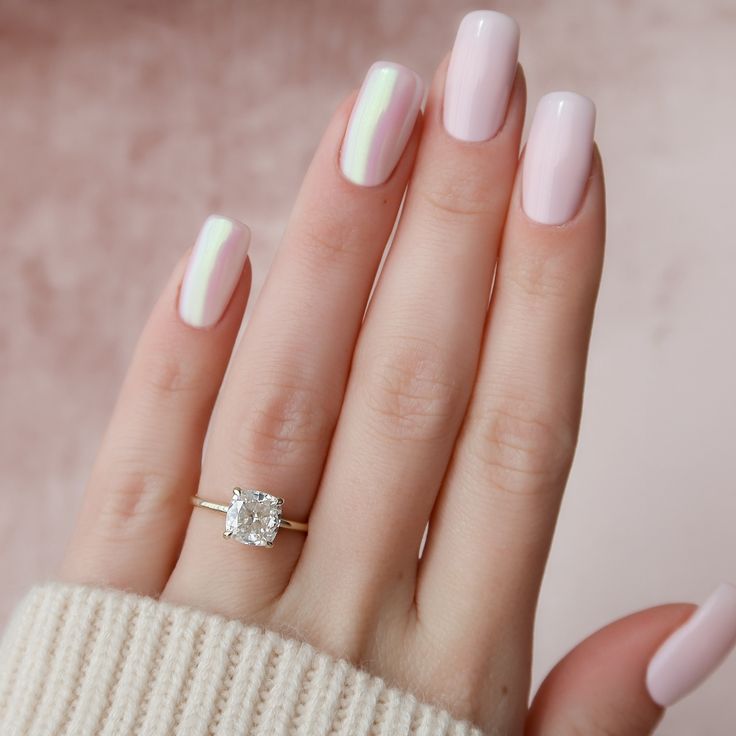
{"points": [[88, 662]]}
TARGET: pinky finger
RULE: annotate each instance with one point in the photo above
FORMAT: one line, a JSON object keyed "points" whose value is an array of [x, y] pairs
{"points": [[617, 682], [135, 511]]}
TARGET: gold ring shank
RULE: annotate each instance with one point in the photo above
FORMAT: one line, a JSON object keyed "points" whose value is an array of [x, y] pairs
{"points": [[295, 526]]}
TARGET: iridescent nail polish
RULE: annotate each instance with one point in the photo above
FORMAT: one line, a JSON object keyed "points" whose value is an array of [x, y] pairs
{"points": [[381, 122], [213, 271]]}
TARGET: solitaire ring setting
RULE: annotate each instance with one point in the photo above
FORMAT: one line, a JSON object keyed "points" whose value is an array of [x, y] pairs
{"points": [[252, 517]]}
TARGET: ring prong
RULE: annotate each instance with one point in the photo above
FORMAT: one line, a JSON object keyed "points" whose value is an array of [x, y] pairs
{"points": [[237, 492], [227, 534]]}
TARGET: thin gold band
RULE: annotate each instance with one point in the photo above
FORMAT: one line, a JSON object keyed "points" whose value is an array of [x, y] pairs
{"points": [[295, 526]]}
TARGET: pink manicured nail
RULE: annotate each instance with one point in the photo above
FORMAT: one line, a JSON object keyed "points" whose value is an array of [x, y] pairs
{"points": [[694, 651], [558, 156], [480, 75], [381, 123], [213, 271]]}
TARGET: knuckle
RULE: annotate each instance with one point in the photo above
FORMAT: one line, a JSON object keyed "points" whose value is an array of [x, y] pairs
{"points": [[459, 197], [462, 694], [412, 392], [468, 687], [279, 421], [133, 500], [327, 242], [324, 622], [167, 374], [538, 277], [521, 447]]}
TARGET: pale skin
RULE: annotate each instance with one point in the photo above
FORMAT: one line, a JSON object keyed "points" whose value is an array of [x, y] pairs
{"points": [[429, 407]]}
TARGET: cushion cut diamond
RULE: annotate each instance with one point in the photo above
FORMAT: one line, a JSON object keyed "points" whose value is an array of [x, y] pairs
{"points": [[253, 517]]}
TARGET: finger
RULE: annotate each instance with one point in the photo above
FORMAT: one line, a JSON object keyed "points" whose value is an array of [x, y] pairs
{"points": [[285, 387], [417, 355], [137, 504], [617, 681], [492, 526]]}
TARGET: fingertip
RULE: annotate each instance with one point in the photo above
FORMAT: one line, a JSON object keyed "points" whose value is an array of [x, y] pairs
{"points": [[558, 157], [586, 226], [692, 652], [381, 122], [335, 170], [513, 119], [600, 686], [213, 271]]}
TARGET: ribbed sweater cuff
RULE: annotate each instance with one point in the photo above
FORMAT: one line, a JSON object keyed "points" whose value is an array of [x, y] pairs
{"points": [[89, 662]]}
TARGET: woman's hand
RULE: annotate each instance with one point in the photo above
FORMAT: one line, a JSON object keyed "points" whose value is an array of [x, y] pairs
{"points": [[431, 407]]}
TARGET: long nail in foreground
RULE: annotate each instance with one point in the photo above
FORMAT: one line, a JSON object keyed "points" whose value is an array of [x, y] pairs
{"points": [[381, 123], [481, 75], [213, 271], [558, 157], [695, 650]]}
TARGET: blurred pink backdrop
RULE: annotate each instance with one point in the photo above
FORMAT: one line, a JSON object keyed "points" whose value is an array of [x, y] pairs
{"points": [[122, 125]]}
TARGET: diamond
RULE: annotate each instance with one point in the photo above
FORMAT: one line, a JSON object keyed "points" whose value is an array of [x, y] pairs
{"points": [[253, 517]]}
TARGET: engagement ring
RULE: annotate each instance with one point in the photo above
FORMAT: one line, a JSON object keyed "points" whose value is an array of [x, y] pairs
{"points": [[253, 517]]}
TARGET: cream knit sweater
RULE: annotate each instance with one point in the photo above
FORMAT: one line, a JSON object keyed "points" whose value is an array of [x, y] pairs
{"points": [[86, 662]]}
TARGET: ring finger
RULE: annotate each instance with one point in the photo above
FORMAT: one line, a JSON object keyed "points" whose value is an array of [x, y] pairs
{"points": [[282, 396]]}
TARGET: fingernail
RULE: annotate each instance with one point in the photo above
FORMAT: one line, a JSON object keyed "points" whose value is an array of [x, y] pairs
{"points": [[480, 75], [558, 157], [695, 650], [213, 271], [381, 122]]}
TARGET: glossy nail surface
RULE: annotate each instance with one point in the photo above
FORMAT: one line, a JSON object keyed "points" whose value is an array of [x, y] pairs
{"points": [[213, 271], [381, 123], [480, 75], [694, 651], [558, 157]]}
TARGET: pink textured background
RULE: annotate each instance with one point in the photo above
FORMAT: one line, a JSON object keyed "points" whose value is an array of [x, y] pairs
{"points": [[123, 124]]}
